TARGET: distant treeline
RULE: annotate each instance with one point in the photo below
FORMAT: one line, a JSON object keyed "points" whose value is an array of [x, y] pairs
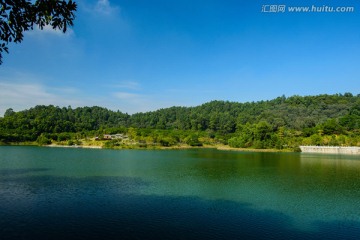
{"points": [[284, 122]]}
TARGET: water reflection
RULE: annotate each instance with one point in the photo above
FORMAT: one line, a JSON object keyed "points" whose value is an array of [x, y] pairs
{"points": [[103, 208], [335, 161], [19, 171], [302, 189]]}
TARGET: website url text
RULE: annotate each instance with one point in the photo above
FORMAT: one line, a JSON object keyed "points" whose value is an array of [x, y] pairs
{"points": [[308, 9]]}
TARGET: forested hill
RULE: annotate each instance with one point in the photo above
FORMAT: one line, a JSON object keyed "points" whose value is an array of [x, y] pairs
{"points": [[294, 112], [331, 114]]}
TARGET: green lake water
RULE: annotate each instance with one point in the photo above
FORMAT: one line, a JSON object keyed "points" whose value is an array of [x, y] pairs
{"points": [[74, 193]]}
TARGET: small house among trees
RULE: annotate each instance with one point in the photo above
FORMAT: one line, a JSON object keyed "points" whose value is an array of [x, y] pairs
{"points": [[115, 136]]}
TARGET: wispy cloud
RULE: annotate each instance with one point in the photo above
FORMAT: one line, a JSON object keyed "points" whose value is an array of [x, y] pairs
{"points": [[136, 102], [24, 95], [23, 90], [133, 102], [105, 8], [131, 85], [20, 96], [15, 92], [49, 31], [104, 13], [128, 96]]}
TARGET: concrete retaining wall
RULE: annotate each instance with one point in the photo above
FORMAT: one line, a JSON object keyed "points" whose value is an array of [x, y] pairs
{"points": [[331, 150]]}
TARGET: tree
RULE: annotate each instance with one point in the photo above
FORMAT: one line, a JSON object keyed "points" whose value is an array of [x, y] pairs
{"points": [[43, 140], [18, 16], [331, 126], [9, 112], [193, 140], [262, 131]]}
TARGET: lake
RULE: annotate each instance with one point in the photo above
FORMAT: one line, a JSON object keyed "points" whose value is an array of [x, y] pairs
{"points": [[74, 193]]}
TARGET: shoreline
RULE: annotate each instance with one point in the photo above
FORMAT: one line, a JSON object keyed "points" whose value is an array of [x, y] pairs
{"points": [[219, 147], [73, 146], [227, 148]]}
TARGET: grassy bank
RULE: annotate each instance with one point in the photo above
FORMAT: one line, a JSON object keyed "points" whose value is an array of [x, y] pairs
{"points": [[102, 144]]}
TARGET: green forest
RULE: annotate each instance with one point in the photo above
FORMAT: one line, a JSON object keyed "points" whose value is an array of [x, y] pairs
{"points": [[281, 123]]}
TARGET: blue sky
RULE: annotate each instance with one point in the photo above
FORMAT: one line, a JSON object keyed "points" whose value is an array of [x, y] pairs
{"points": [[143, 55]]}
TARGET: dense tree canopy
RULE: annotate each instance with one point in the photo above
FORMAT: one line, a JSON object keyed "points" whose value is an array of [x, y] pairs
{"points": [[294, 112], [278, 123], [18, 16]]}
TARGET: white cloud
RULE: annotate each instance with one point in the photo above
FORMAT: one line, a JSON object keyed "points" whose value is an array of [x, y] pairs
{"points": [[132, 85], [128, 96], [104, 13], [23, 90], [20, 96], [49, 31], [103, 7], [132, 102], [20, 92]]}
